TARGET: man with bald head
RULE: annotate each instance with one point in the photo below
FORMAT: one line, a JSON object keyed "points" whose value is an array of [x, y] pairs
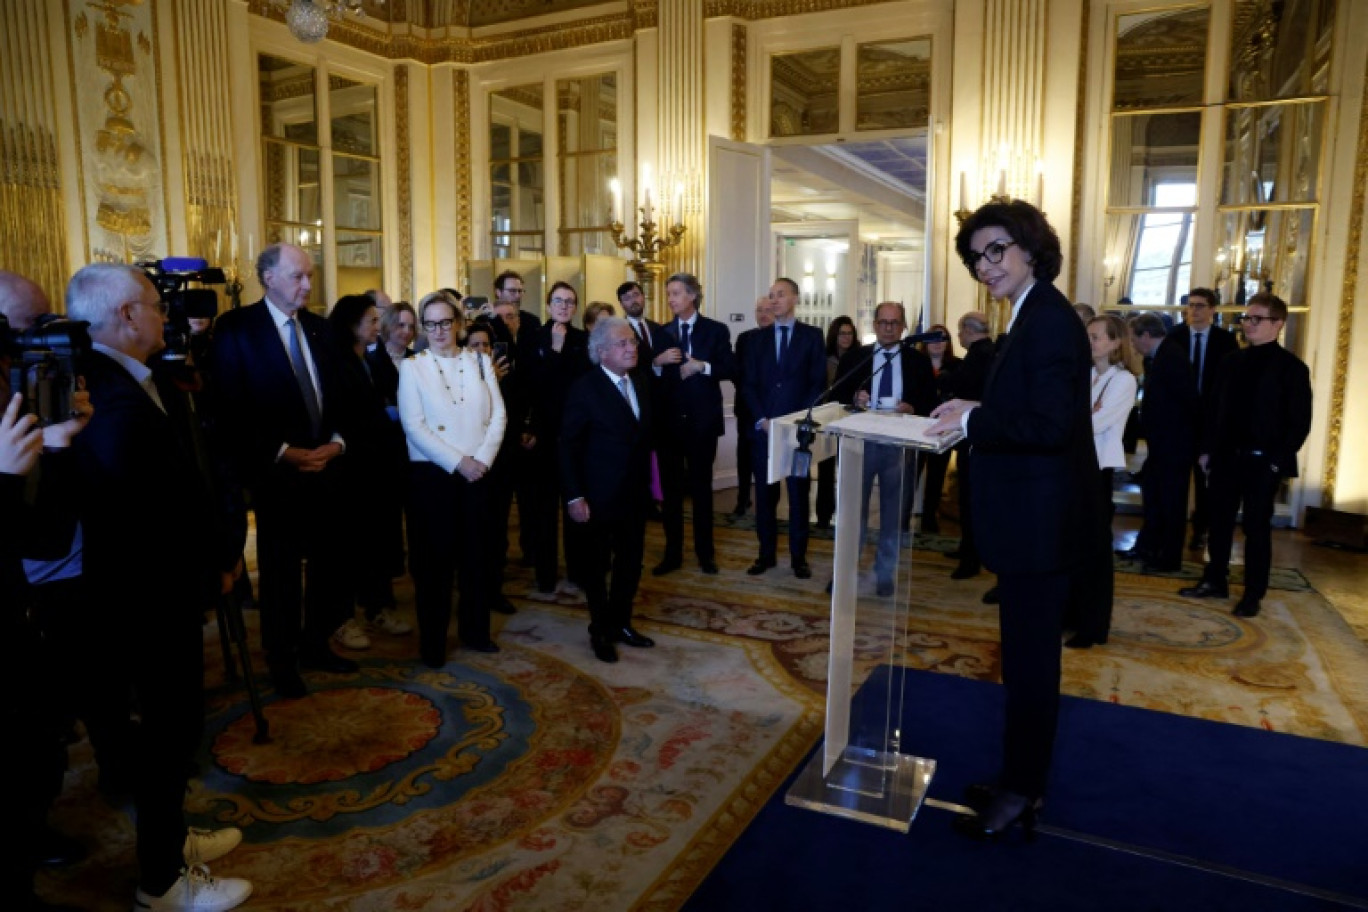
{"points": [[21, 301], [283, 410]]}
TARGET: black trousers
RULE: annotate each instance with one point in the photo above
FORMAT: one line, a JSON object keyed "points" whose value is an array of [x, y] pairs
{"points": [[969, 556], [826, 491], [767, 505], [744, 471], [551, 526], [1247, 482], [1201, 500], [304, 581], [449, 532], [1090, 603], [615, 546], [1029, 616], [1164, 489], [934, 466], [686, 465]]}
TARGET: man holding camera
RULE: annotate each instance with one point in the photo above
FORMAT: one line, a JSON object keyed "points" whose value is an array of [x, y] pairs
{"points": [[157, 546], [282, 408]]}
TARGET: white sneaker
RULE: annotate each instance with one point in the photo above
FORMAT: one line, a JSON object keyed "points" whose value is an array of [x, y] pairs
{"points": [[196, 891], [565, 587], [352, 636], [389, 621], [204, 846]]}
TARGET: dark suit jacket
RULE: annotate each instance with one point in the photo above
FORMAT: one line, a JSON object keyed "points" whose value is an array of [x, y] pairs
{"points": [[744, 416], [1270, 393], [260, 405], [1169, 407], [918, 377], [1034, 468], [694, 406], [771, 389], [551, 373], [644, 351], [145, 503], [972, 373], [384, 374], [605, 451], [1219, 343]]}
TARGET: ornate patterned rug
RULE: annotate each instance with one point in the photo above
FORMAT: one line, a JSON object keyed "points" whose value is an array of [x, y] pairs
{"points": [[539, 778]]}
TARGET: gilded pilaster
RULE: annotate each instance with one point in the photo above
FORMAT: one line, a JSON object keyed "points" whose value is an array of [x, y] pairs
{"points": [[738, 82], [680, 127], [32, 222], [464, 196], [1345, 332], [401, 129]]}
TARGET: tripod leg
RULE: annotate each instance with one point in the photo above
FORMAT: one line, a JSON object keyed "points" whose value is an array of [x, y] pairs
{"points": [[230, 609], [230, 671]]}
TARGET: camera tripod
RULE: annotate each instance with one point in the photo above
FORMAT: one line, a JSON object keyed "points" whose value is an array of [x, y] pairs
{"points": [[233, 632]]}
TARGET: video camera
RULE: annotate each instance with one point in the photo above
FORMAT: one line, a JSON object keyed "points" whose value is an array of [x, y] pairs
{"points": [[171, 276], [43, 364]]}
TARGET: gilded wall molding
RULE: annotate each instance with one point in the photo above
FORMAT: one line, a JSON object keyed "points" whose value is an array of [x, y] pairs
{"points": [[1080, 135], [464, 194], [405, 191], [738, 82], [1345, 330]]}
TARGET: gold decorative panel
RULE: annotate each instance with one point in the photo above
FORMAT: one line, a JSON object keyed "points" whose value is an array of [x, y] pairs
{"points": [[738, 83], [117, 127], [401, 129], [464, 194]]}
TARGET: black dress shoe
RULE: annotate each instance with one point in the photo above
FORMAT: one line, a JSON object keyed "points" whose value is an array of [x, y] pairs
{"points": [[760, 566], [965, 571], [708, 567], [288, 684], [484, 646], [53, 849], [325, 659], [991, 596], [1247, 607], [1204, 589], [666, 566], [802, 571], [1006, 810], [628, 636], [603, 647], [504, 606], [979, 795]]}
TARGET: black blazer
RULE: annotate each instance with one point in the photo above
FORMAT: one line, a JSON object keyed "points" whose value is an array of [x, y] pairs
{"points": [[550, 375], [744, 416], [694, 406], [968, 379], [1035, 500], [1169, 405], [645, 350], [771, 389], [260, 406], [1270, 392], [918, 377], [605, 450], [1219, 343], [145, 502]]}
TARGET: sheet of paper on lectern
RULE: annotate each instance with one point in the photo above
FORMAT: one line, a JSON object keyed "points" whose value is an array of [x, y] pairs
{"points": [[892, 427]]}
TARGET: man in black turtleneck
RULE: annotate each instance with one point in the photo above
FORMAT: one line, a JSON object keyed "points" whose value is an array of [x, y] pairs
{"points": [[1262, 417]]}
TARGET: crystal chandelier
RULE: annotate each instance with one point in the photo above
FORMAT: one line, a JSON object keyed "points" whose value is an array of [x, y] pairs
{"points": [[308, 19]]}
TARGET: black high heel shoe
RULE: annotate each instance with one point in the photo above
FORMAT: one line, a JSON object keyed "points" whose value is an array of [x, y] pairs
{"points": [[1006, 810]]}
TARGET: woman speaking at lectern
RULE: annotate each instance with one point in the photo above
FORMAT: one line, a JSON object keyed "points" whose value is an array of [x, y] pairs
{"points": [[1032, 440]]}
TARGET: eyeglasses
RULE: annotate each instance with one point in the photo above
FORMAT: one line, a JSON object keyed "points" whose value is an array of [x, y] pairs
{"points": [[564, 302], [993, 253], [434, 325], [1256, 319]]}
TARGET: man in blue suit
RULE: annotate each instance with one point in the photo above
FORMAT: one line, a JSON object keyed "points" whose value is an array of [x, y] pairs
{"points": [[693, 355], [285, 416], [784, 372]]}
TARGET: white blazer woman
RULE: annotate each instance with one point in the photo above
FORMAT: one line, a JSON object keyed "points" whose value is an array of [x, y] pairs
{"points": [[1113, 397], [451, 408]]}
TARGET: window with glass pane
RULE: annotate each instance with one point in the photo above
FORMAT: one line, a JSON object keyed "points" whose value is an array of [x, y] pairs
{"points": [[586, 120], [893, 84], [804, 92], [291, 159], [356, 185], [516, 177]]}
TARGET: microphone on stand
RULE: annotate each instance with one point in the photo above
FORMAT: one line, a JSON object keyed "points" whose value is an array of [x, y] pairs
{"points": [[806, 432]]}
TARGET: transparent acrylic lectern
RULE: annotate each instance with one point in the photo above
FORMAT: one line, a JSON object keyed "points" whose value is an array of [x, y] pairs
{"points": [[861, 770]]}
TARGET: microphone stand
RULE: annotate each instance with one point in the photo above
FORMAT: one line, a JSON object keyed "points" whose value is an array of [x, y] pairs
{"points": [[806, 432]]}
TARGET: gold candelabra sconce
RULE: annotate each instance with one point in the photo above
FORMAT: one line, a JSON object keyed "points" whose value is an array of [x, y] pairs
{"points": [[652, 238], [1012, 169]]}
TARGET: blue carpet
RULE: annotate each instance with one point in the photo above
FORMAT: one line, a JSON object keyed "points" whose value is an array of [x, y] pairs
{"points": [[1220, 817]]}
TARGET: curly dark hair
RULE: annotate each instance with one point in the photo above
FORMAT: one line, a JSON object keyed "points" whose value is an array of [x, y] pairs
{"points": [[1027, 226], [346, 315], [833, 336]]}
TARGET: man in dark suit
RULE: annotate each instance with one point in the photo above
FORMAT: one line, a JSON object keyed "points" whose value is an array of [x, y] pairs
{"points": [[1261, 418], [1036, 515], [605, 465], [1205, 345], [745, 471], [693, 355], [282, 410], [158, 545], [966, 382], [633, 301], [897, 378], [516, 330], [784, 370], [1168, 416]]}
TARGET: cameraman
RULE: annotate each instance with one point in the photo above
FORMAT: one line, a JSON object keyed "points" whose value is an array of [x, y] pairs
{"points": [[40, 519], [155, 541]]}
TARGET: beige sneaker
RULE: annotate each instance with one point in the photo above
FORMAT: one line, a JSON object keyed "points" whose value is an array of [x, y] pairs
{"points": [[389, 621], [204, 846], [352, 636], [196, 891]]}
